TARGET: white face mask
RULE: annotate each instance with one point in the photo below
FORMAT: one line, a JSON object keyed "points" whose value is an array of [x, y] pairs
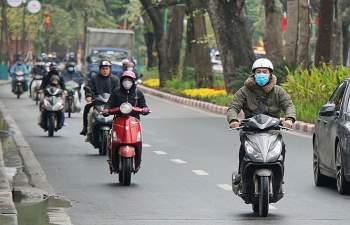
{"points": [[127, 84], [130, 69]]}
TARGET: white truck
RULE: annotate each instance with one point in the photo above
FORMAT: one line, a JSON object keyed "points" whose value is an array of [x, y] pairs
{"points": [[115, 44]]}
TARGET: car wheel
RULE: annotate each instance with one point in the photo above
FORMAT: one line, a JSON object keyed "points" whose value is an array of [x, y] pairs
{"points": [[343, 187]]}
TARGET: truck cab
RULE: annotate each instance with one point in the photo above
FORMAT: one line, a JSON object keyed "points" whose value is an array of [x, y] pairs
{"points": [[115, 55]]}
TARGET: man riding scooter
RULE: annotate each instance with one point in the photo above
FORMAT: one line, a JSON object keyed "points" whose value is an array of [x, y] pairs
{"points": [[19, 66], [260, 95], [71, 74], [99, 84], [39, 69], [53, 75]]}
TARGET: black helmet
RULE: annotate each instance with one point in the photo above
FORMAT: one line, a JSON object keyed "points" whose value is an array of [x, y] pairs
{"points": [[105, 62], [53, 66]]}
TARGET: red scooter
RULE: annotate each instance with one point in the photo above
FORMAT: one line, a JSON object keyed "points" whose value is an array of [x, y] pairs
{"points": [[125, 142]]}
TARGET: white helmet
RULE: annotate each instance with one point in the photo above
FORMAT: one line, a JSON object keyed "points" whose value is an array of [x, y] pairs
{"points": [[262, 63]]}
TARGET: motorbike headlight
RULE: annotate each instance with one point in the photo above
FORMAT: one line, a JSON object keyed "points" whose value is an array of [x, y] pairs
{"points": [[252, 152], [126, 108], [275, 151]]}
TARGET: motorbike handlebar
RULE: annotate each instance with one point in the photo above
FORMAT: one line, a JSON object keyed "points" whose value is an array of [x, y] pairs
{"points": [[116, 110]]}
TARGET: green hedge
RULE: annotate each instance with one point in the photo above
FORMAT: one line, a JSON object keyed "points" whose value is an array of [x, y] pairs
{"points": [[310, 89]]}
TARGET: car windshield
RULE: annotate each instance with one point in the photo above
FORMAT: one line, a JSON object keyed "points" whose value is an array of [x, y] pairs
{"points": [[115, 56]]}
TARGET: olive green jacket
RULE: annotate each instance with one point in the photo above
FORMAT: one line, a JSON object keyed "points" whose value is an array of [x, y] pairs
{"points": [[252, 99]]}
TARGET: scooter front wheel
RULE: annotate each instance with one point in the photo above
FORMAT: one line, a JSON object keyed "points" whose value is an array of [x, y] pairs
{"points": [[103, 143], [51, 125], [263, 196], [125, 172]]}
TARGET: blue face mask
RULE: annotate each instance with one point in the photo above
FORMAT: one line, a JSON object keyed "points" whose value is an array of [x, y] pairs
{"points": [[70, 69], [262, 79]]}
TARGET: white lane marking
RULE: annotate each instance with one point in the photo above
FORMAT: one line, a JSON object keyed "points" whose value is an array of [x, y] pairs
{"points": [[200, 172], [178, 161], [272, 207], [160, 152], [226, 187], [146, 145]]}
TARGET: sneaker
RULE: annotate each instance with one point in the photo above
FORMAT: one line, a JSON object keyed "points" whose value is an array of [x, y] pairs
{"points": [[83, 131], [88, 138]]}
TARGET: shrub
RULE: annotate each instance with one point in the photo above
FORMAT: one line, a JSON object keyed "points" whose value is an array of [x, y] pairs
{"points": [[310, 89]]}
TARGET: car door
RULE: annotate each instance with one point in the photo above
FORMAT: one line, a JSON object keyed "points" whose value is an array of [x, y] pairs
{"points": [[330, 127]]}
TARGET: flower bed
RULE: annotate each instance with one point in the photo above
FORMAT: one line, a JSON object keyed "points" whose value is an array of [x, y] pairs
{"points": [[212, 95]]}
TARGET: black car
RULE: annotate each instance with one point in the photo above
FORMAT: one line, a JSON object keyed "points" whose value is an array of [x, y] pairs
{"points": [[331, 140]]}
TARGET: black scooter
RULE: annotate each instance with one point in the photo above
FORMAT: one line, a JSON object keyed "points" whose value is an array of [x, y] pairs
{"points": [[262, 168], [101, 125]]}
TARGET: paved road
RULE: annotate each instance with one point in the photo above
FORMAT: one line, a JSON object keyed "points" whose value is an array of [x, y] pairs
{"points": [[187, 164]]}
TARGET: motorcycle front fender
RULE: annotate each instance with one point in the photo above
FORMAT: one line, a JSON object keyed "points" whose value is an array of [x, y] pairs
{"points": [[263, 173], [105, 128], [127, 151]]}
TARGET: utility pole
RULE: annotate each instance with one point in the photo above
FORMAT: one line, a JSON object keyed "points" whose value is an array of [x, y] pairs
{"points": [[23, 28]]}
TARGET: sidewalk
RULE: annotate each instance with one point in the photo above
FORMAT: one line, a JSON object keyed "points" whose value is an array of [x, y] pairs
{"points": [[210, 107]]}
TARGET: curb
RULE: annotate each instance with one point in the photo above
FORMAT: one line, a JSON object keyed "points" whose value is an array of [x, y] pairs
{"points": [[5, 82], [8, 212], [210, 107]]}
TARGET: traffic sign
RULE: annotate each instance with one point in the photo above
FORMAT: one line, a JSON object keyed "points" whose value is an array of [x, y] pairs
{"points": [[34, 6], [14, 3]]}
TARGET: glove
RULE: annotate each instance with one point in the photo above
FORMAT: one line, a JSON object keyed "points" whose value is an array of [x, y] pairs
{"points": [[88, 99], [287, 123], [145, 111], [234, 124]]}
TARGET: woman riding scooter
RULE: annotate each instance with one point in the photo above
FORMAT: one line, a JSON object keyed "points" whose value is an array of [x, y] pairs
{"points": [[128, 92]]}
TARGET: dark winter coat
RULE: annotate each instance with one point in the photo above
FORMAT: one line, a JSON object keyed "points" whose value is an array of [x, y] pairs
{"points": [[134, 96], [253, 99], [46, 80], [99, 84]]}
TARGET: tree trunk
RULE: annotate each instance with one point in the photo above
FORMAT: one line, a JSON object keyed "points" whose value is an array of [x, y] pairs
{"points": [[176, 26], [273, 33], [233, 38], [197, 42], [304, 34], [337, 36], [292, 32], [188, 61], [346, 44], [323, 45], [161, 38], [149, 41]]}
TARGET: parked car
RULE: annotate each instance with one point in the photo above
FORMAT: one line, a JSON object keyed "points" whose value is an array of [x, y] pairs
{"points": [[331, 140]]}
